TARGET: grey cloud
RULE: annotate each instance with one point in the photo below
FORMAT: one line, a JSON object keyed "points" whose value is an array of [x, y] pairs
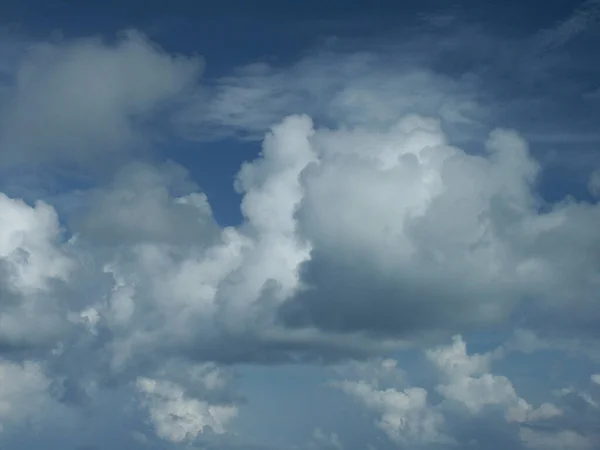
{"points": [[360, 241], [393, 254], [138, 206], [80, 98], [363, 235]]}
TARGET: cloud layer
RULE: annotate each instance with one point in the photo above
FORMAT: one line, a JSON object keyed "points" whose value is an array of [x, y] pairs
{"points": [[371, 234]]}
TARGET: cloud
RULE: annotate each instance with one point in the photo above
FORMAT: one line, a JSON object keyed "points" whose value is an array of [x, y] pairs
{"points": [[409, 233], [177, 417], [366, 230], [576, 429], [24, 394], [30, 257], [468, 382], [467, 407], [110, 216], [87, 98], [404, 416], [351, 88], [471, 76], [582, 19], [32, 263], [354, 241]]}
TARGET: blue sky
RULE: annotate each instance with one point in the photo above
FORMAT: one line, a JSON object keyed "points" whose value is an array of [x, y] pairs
{"points": [[304, 226]]}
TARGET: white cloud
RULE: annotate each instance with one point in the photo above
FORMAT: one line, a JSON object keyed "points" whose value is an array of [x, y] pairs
{"points": [[472, 399], [32, 261], [360, 236], [349, 235], [405, 416], [403, 412], [177, 416], [469, 382], [28, 238], [353, 88], [596, 378], [387, 213]]}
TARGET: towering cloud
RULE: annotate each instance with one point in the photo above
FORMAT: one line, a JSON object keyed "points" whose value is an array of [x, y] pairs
{"points": [[376, 223]]}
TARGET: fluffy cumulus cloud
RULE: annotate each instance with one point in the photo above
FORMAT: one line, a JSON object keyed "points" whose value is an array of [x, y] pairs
{"points": [[469, 383], [403, 415], [177, 417], [413, 416], [435, 237], [352, 240], [33, 264], [367, 234], [452, 240]]}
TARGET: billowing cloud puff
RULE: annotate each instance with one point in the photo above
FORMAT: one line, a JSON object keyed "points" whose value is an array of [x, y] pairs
{"points": [[366, 230], [469, 384], [469, 393], [474, 406], [32, 265], [350, 235], [409, 233], [178, 417]]}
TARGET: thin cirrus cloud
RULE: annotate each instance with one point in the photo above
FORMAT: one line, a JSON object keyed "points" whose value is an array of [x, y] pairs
{"points": [[368, 233], [471, 77]]}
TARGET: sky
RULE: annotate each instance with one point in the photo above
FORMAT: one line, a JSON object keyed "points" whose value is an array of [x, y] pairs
{"points": [[299, 225]]}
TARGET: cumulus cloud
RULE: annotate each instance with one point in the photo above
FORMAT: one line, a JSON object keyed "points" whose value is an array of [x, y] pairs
{"points": [[468, 382], [429, 415], [173, 211], [352, 238], [350, 235], [75, 99], [365, 230], [177, 417], [28, 234], [578, 429], [32, 263], [433, 236], [404, 416]]}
